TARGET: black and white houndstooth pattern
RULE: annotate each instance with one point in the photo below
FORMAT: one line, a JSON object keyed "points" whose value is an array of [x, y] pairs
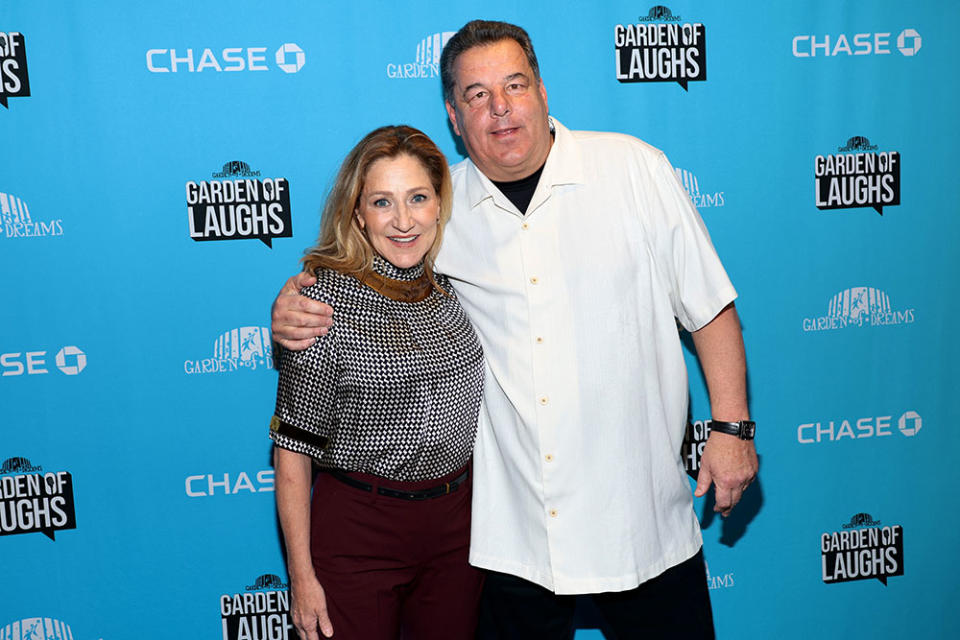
{"points": [[395, 386]]}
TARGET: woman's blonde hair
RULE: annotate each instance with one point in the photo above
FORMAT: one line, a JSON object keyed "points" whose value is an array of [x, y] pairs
{"points": [[342, 245]]}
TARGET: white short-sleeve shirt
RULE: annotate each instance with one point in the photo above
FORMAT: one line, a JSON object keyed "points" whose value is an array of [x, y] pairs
{"points": [[579, 482]]}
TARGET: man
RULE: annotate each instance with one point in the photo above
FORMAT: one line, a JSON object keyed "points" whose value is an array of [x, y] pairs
{"points": [[574, 254]]}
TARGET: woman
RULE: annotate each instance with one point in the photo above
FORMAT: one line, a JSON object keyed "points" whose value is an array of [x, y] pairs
{"points": [[386, 405]]}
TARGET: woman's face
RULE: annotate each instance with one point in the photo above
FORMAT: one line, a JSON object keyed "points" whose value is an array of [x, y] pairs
{"points": [[399, 210]]}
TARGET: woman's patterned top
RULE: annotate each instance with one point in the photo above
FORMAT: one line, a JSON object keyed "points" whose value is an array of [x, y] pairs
{"points": [[393, 389]]}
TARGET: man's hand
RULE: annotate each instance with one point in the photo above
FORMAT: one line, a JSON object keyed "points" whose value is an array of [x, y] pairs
{"points": [[730, 464], [297, 320], [309, 609]]}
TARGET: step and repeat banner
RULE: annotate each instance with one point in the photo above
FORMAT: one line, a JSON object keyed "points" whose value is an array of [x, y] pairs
{"points": [[162, 169]]}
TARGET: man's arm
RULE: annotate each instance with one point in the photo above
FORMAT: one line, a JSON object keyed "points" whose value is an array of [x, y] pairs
{"points": [[296, 320], [728, 462]]}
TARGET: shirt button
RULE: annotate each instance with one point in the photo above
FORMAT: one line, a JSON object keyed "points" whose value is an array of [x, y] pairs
{"points": [[548, 457], [534, 280], [554, 513], [524, 226], [543, 400], [539, 339]]}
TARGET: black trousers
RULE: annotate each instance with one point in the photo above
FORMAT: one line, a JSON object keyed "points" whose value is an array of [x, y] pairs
{"points": [[675, 605]]}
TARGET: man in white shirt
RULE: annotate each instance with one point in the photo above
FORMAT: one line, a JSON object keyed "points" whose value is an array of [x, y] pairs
{"points": [[574, 254]]}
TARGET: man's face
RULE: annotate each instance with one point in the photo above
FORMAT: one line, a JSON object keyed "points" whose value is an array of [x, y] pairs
{"points": [[500, 111]]}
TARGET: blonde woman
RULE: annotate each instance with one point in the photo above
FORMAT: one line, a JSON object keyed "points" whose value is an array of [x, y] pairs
{"points": [[385, 405]]}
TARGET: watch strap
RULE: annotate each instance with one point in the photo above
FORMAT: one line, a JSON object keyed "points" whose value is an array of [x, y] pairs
{"points": [[744, 429]]}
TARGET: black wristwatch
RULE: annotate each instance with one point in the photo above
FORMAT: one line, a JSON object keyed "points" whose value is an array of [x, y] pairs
{"points": [[745, 429]]}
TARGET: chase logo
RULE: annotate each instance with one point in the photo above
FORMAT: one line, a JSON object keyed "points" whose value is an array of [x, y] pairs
{"points": [[15, 220], [426, 64], [70, 360], [859, 307], [208, 485], [859, 44], [289, 58], [241, 348], [37, 629], [658, 48], [14, 80], [909, 42], [909, 424], [701, 199], [261, 611]]}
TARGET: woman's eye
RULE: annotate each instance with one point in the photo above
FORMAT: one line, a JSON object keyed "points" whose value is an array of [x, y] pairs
{"points": [[420, 197], [381, 202]]}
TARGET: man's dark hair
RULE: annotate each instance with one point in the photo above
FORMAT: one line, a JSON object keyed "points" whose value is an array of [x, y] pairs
{"points": [[477, 33]]}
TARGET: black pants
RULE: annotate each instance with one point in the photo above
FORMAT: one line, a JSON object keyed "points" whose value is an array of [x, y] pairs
{"points": [[675, 605]]}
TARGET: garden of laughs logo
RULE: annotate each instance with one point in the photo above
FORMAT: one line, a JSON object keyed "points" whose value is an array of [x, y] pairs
{"points": [[862, 549], [34, 501], [239, 205], [856, 176], [14, 80], [661, 47], [260, 612]]}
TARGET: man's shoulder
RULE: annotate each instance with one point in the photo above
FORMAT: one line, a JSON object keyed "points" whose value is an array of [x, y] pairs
{"points": [[611, 141], [459, 169]]}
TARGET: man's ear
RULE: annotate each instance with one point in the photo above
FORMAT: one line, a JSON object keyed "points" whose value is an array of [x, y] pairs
{"points": [[452, 114]]}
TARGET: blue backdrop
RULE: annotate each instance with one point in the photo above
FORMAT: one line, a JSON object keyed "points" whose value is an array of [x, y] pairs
{"points": [[136, 379]]}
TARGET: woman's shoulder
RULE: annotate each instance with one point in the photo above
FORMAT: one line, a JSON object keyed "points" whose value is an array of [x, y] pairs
{"points": [[445, 284]]}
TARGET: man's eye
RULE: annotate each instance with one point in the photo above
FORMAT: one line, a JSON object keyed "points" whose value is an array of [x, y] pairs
{"points": [[516, 87], [476, 96]]}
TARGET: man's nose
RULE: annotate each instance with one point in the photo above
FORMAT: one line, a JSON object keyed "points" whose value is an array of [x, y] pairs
{"points": [[499, 103]]}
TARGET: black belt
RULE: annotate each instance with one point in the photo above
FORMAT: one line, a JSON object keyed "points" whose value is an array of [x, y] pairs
{"points": [[417, 494]]}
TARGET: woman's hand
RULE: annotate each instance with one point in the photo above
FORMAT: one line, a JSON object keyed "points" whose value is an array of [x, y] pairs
{"points": [[309, 608]]}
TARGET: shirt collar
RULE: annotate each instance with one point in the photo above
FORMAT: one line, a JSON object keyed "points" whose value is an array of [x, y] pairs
{"points": [[387, 269], [564, 166]]}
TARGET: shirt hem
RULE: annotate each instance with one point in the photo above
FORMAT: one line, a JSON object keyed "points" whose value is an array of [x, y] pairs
{"points": [[579, 586]]}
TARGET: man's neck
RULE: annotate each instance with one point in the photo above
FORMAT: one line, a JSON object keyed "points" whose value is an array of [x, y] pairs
{"points": [[521, 191]]}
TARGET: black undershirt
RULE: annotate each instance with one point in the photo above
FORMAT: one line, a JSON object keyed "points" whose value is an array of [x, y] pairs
{"points": [[520, 192]]}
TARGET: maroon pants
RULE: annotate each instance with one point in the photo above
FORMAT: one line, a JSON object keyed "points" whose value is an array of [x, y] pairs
{"points": [[394, 568]]}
